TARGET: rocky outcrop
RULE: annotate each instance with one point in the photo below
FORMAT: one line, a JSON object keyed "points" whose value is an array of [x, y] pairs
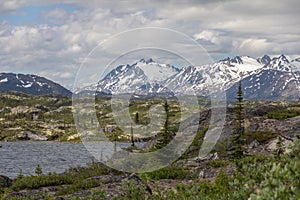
{"points": [[254, 144], [5, 181], [28, 135], [272, 145]]}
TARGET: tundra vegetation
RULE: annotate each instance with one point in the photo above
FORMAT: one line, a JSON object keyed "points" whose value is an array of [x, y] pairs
{"points": [[261, 162]]}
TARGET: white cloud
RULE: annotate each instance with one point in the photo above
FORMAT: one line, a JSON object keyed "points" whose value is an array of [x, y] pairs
{"points": [[256, 47], [210, 36], [9, 5], [222, 27]]}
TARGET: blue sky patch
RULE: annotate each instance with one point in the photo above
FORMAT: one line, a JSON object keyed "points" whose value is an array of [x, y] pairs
{"points": [[31, 15]]}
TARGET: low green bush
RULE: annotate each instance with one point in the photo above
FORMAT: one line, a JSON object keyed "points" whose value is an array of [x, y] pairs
{"points": [[34, 182], [72, 176], [79, 185], [218, 163], [283, 114], [260, 136], [170, 172]]}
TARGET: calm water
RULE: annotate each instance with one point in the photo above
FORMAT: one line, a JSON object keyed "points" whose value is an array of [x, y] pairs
{"points": [[52, 156]]}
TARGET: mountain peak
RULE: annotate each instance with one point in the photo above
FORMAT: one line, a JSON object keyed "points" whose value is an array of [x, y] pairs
{"points": [[236, 59], [31, 84], [149, 60], [296, 59], [264, 60], [282, 58]]}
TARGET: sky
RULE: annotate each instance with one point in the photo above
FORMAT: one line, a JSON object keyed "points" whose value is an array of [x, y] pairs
{"points": [[55, 38]]}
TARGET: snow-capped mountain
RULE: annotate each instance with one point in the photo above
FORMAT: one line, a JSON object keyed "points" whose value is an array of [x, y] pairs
{"points": [[31, 84], [265, 77], [279, 79], [142, 77], [220, 75]]}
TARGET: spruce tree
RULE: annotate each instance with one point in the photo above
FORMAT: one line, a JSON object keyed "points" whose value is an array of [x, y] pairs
{"points": [[166, 135], [279, 147], [131, 135], [239, 124], [137, 118], [38, 170]]}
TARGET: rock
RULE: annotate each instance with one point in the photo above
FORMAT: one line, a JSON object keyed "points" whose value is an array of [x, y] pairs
{"points": [[272, 145], [42, 108], [5, 181], [202, 174], [6, 109], [23, 136], [19, 109], [28, 135], [253, 127], [254, 144], [211, 156], [208, 173]]}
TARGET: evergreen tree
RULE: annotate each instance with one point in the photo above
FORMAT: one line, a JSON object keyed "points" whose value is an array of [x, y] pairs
{"points": [[239, 124], [279, 147], [38, 170], [131, 134], [137, 119], [166, 135]]}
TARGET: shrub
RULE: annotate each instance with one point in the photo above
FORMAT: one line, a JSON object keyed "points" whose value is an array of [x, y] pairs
{"points": [[260, 136], [283, 114], [35, 182], [170, 172]]}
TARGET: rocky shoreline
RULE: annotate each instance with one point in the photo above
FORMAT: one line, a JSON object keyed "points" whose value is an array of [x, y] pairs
{"points": [[111, 183]]}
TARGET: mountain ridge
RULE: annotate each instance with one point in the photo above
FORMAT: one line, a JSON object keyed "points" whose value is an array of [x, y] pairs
{"points": [[31, 84], [264, 77], [222, 75]]}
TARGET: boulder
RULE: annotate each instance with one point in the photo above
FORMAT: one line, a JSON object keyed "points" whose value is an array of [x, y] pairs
{"points": [[5, 181], [28, 135], [272, 145], [211, 156], [208, 173], [254, 144], [19, 109]]}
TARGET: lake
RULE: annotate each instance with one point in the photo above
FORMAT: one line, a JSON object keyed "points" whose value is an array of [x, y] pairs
{"points": [[52, 156]]}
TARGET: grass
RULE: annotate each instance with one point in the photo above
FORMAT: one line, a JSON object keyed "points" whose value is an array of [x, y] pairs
{"points": [[260, 136], [74, 177], [283, 114], [35, 182], [218, 163], [79, 185], [170, 172]]}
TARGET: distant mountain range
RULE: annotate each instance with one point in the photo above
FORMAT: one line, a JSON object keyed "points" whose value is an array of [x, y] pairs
{"points": [[31, 84], [264, 78]]}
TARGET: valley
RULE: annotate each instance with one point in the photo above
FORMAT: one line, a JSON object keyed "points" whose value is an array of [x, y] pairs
{"points": [[270, 152], [141, 113]]}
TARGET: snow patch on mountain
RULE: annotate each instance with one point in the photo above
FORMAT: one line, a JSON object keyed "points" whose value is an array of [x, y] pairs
{"points": [[144, 76], [156, 72], [4, 80], [31, 84], [265, 77]]}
